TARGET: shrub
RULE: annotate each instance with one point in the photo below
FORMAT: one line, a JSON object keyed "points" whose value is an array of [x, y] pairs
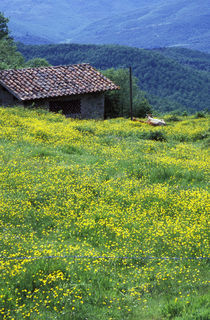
{"points": [[173, 118], [156, 135], [172, 310], [200, 114], [85, 129]]}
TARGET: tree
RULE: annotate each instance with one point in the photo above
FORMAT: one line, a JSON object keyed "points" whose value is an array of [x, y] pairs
{"points": [[37, 62], [117, 103], [4, 31], [10, 58]]}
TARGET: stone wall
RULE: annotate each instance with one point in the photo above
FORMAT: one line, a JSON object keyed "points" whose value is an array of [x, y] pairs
{"points": [[92, 105]]}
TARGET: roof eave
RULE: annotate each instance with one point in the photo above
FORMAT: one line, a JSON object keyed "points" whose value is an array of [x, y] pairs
{"points": [[11, 91], [66, 95]]}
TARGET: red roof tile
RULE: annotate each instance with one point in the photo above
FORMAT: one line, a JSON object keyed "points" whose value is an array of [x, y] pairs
{"points": [[44, 82]]}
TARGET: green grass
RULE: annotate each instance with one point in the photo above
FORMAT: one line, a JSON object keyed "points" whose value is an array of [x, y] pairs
{"points": [[102, 188]]}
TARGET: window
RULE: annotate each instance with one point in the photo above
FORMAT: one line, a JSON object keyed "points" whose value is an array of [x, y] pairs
{"points": [[67, 107]]}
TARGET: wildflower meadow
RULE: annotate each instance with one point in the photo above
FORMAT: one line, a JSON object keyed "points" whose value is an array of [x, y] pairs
{"points": [[103, 219]]}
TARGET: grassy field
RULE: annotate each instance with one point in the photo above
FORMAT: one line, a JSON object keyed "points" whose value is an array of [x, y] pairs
{"points": [[103, 219]]}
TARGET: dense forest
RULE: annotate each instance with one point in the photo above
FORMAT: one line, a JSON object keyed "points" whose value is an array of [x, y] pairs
{"points": [[173, 78], [193, 58]]}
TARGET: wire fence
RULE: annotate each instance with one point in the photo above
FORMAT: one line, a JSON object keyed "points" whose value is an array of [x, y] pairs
{"points": [[77, 257]]}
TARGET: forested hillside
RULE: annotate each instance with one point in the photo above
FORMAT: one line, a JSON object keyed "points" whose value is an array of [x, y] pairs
{"points": [[172, 78], [193, 58]]}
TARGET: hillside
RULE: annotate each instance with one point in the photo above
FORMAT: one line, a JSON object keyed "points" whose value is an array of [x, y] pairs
{"points": [[172, 81], [144, 24], [165, 24], [195, 59], [41, 21], [103, 219]]}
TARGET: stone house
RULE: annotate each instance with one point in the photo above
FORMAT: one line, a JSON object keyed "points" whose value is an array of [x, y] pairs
{"points": [[76, 90]]}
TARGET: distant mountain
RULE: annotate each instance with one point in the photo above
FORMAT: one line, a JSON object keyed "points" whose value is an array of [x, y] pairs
{"points": [[173, 78], [139, 23], [174, 23], [58, 20]]}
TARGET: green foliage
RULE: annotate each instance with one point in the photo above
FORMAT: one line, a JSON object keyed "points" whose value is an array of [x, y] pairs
{"points": [[117, 103], [37, 62], [4, 31], [9, 56], [200, 114], [170, 83], [187, 310], [185, 113], [156, 135], [173, 118], [192, 58]]}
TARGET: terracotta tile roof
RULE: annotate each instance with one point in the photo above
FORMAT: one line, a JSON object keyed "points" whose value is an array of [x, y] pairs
{"points": [[44, 82]]}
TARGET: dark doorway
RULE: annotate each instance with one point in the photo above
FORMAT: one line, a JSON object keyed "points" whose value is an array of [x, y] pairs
{"points": [[67, 107]]}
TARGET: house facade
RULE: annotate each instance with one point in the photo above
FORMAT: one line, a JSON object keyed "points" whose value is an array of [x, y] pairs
{"points": [[77, 91]]}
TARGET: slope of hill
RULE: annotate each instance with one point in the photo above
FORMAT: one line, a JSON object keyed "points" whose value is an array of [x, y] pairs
{"points": [[99, 220], [173, 23], [169, 84], [146, 24], [58, 20], [195, 59]]}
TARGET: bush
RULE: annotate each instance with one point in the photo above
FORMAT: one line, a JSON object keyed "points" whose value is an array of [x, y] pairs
{"points": [[185, 114], [200, 114], [156, 135], [172, 310], [173, 118]]}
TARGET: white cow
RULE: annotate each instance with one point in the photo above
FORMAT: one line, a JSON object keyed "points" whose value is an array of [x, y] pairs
{"points": [[155, 122]]}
